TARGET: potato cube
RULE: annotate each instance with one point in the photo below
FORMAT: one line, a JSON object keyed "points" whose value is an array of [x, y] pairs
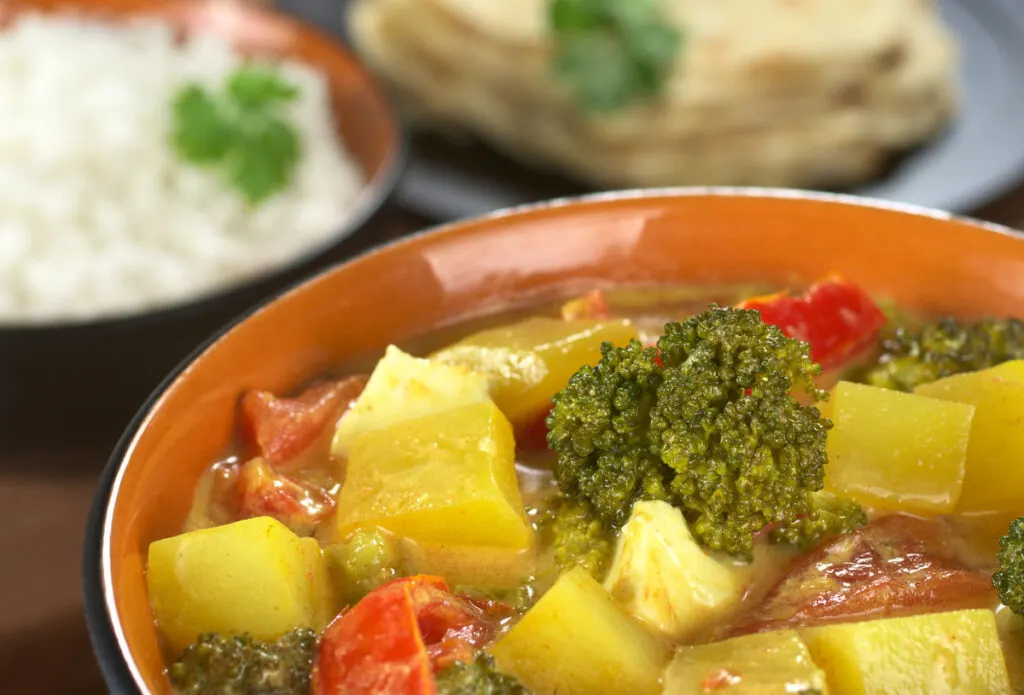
{"points": [[576, 641], [446, 478], [663, 578], [252, 576], [954, 652], [532, 360], [995, 479], [403, 387], [894, 451], [768, 663]]}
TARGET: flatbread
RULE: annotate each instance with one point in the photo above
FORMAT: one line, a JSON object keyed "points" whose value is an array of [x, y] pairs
{"points": [[822, 98]]}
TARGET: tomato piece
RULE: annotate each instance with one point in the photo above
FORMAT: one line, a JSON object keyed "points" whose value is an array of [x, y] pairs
{"points": [[897, 565], [593, 305], [376, 647], [836, 317], [283, 429], [264, 492], [533, 434], [411, 627]]}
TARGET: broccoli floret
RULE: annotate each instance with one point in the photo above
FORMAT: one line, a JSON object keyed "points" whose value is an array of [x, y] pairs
{"points": [[830, 516], [705, 422], [363, 561], [909, 358], [1009, 580], [478, 677], [580, 538], [242, 665]]}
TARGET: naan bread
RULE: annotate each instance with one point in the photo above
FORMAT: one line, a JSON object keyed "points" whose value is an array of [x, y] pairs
{"points": [[765, 92]]}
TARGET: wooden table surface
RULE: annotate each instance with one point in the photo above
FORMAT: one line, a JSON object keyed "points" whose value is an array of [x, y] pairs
{"points": [[45, 492]]}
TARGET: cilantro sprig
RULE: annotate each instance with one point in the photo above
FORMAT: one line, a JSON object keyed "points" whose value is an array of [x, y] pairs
{"points": [[612, 52], [240, 130]]}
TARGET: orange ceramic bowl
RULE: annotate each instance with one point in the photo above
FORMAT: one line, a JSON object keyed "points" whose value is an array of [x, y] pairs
{"points": [[927, 260]]}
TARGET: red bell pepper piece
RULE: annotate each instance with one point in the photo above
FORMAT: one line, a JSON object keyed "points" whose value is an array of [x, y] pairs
{"points": [[264, 492], [836, 317], [283, 429], [396, 637]]}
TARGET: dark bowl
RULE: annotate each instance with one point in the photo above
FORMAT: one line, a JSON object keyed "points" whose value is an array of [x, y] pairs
{"points": [[78, 378], [926, 260]]}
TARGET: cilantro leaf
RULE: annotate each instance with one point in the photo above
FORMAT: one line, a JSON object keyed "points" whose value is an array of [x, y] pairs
{"points": [[239, 131], [611, 52]]}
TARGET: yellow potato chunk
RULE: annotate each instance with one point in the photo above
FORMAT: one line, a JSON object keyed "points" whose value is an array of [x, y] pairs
{"points": [[403, 387], [576, 641], [663, 578], [894, 451], [532, 360], [446, 478], [995, 479], [769, 663], [955, 652], [252, 576]]}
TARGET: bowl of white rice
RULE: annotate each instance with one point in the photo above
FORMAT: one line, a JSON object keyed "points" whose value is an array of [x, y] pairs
{"points": [[119, 253]]}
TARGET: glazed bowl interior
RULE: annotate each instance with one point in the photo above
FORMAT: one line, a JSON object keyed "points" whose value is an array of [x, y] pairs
{"points": [[924, 260], [101, 365]]}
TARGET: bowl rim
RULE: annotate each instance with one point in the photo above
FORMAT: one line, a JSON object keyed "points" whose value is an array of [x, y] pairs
{"points": [[106, 633], [373, 196]]}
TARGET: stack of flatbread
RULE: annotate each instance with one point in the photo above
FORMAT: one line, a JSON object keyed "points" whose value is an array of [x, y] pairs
{"points": [[801, 93]]}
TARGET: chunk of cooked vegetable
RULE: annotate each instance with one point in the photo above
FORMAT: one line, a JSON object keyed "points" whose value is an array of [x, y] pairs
{"points": [[579, 538], [835, 317], [364, 560], [242, 665], [532, 360], [253, 576], [395, 638], [830, 516], [994, 480], [950, 652], [446, 478], [477, 677], [1011, 633], [262, 491], [895, 451], [771, 663], [576, 641], [913, 356], [283, 431], [664, 579], [706, 422], [1009, 580], [896, 565], [403, 387]]}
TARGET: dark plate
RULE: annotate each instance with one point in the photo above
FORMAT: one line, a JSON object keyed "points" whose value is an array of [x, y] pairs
{"points": [[69, 380], [980, 157]]}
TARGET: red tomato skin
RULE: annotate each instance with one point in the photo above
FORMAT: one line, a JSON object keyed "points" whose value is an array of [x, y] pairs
{"points": [[895, 566], [397, 637], [262, 491], [836, 317], [282, 430]]}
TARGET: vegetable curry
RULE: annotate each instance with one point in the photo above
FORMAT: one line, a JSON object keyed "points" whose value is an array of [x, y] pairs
{"points": [[636, 491]]}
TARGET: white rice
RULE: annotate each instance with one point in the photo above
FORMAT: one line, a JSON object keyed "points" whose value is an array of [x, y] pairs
{"points": [[98, 215]]}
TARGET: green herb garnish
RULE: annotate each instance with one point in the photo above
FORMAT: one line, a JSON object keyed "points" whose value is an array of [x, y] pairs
{"points": [[612, 51], [240, 130]]}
